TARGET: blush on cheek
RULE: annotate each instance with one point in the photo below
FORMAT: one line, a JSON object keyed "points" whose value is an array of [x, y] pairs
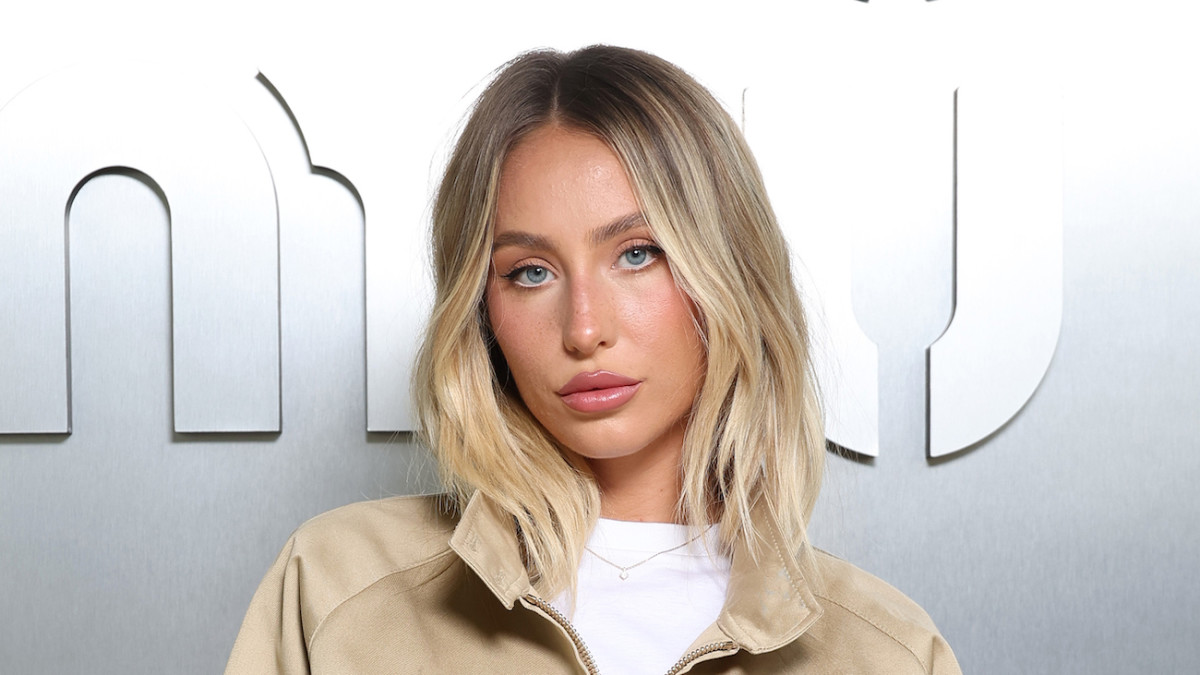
{"points": [[661, 310]]}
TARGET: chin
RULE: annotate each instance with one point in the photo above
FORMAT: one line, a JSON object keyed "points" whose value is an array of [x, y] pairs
{"points": [[599, 449]]}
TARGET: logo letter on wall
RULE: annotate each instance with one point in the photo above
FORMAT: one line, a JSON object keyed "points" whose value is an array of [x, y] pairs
{"points": [[848, 189], [1008, 290], [63, 130]]}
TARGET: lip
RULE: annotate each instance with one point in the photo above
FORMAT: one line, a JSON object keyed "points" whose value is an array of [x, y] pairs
{"points": [[598, 391]]}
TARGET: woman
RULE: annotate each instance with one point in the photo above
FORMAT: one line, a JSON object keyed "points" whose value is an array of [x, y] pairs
{"points": [[616, 383]]}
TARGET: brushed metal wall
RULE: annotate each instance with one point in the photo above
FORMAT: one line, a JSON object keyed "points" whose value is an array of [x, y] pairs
{"points": [[1057, 544]]}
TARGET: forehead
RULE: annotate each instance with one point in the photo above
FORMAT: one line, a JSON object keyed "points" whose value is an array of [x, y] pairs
{"points": [[558, 178]]}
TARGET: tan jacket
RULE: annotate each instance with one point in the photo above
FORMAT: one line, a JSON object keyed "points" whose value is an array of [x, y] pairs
{"points": [[398, 586]]}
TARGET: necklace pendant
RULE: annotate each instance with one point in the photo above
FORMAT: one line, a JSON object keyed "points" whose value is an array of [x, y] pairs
{"points": [[624, 575]]}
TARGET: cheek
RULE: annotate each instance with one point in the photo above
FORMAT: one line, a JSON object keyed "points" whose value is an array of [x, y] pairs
{"points": [[519, 334], [662, 315], [494, 307], [662, 328], [501, 319]]}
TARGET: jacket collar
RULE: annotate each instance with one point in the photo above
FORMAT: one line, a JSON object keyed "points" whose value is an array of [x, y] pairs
{"points": [[768, 602], [486, 539]]}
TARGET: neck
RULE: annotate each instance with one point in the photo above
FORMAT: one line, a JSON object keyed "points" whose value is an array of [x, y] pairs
{"points": [[640, 487]]}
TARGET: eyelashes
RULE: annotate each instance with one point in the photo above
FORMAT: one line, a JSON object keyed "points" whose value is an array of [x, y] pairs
{"points": [[638, 256], [528, 276], [633, 257]]}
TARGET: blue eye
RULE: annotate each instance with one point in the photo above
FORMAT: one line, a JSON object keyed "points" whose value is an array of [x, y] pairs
{"points": [[534, 275], [639, 256], [529, 276]]}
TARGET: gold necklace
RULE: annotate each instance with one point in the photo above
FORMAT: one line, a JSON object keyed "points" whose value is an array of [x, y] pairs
{"points": [[625, 568]]}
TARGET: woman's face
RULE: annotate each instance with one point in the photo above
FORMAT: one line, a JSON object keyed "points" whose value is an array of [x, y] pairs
{"points": [[599, 339]]}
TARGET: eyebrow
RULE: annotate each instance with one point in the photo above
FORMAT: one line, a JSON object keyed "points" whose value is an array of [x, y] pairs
{"points": [[616, 228], [596, 237]]}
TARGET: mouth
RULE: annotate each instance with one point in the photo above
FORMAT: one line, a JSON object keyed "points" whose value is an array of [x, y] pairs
{"points": [[598, 391]]}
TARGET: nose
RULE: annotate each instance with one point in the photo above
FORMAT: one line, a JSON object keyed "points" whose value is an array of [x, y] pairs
{"points": [[589, 323]]}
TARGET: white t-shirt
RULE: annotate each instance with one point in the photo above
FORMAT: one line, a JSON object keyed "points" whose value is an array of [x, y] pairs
{"points": [[645, 622]]}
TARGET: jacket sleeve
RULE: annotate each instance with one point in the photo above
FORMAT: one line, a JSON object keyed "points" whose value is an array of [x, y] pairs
{"points": [[272, 638]]}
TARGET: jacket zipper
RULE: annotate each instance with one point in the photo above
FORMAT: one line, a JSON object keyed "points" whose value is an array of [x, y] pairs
{"points": [[698, 652], [590, 663]]}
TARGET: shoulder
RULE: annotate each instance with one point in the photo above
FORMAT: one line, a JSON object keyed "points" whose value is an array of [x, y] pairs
{"points": [[408, 528], [343, 552], [332, 561], [868, 610]]}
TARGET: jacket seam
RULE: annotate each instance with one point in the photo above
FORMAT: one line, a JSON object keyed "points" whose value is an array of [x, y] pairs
{"points": [[791, 582], [881, 629], [312, 642], [786, 572]]}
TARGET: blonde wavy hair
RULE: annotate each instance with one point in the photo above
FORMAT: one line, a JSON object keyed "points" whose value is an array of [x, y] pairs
{"points": [[755, 432]]}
